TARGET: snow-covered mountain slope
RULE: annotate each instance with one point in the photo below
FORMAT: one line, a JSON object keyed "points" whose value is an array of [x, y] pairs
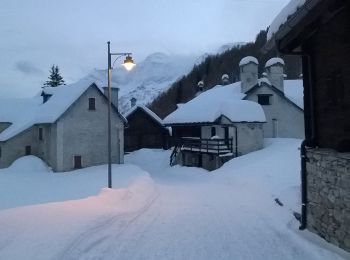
{"points": [[151, 76], [148, 79]]}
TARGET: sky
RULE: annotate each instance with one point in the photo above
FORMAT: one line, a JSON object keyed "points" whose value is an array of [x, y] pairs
{"points": [[34, 34]]}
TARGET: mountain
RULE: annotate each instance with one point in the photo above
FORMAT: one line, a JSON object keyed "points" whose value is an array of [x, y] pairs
{"points": [[148, 79], [152, 76]]}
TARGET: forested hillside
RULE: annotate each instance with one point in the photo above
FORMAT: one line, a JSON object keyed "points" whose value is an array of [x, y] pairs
{"points": [[213, 67]]}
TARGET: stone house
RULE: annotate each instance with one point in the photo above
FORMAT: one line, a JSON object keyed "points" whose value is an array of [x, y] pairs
{"points": [[66, 127], [145, 129], [319, 31], [214, 127], [282, 100]]}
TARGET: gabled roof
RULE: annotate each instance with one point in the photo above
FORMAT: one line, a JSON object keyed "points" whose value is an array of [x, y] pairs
{"points": [[35, 112], [146, 110], [293, 91], [296, 13], [218, 101]]}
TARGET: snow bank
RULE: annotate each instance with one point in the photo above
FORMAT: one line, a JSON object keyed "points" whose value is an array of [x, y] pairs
{"points": [[274, 61], [283, 16], [36, 183], [247, 60], [28, 163]]}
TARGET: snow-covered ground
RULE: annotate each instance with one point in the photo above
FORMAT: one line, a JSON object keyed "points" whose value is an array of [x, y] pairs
{"points": [[170, 213]]}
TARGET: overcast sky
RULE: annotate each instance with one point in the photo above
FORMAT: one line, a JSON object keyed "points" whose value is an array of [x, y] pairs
{"points": [[34, 34]]}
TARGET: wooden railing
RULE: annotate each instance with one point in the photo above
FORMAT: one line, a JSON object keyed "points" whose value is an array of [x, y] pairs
{"points": [[212, 146]]}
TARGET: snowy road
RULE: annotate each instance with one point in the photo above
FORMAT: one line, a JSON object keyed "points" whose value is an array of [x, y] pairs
{"points": [[192, 214]]}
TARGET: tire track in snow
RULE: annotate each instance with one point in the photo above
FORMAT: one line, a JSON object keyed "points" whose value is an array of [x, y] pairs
{"points": [[98, 234]]}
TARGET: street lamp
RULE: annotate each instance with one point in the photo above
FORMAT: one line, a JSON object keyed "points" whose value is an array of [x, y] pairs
{"points": [[128, 64]]}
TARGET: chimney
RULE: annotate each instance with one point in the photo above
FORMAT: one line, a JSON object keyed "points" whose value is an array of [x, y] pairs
{"points": [[248, 73], [200, 86], [225, 79], [133, 102], [114, 95], [45, 94], [275, 72]]}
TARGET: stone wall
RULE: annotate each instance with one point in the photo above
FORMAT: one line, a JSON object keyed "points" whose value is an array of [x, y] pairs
{"points": [[328, 192]]}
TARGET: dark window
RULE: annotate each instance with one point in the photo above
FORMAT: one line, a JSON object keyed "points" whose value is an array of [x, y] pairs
{"points": [[40, 134], [226, 132], [213, 131], [0, 151], [92, 105], [28, 150], [77, 162], [264, 99]]}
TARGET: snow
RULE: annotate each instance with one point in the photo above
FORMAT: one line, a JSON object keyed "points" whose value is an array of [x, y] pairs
{"points": [[218, 101], [274, 61], [248, 59], [30, 181], [177, 213], [294, 91], [283, 16]]}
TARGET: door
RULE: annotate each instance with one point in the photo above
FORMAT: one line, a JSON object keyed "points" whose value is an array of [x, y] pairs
{"points": [[28, 150], [77, 162], [274, 128]]}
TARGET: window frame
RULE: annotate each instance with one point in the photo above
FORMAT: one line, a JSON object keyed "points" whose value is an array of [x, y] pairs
{"points": [[28, 150], [41, 134], [268, 96], [80, 164], [92, 104]]}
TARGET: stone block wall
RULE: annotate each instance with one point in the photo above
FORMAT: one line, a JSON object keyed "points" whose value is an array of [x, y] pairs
{"points": [[328, 192]]}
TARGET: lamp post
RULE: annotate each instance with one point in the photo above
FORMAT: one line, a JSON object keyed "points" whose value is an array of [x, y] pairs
{"points": [[128, 64]]}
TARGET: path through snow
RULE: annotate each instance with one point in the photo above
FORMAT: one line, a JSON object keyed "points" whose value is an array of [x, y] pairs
{"points": [[193, 214]]}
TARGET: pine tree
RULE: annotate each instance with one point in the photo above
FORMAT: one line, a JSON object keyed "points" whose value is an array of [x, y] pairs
{"points": [[55, 79]]}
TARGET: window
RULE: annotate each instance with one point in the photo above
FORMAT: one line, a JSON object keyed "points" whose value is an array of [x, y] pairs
{"points": [[40, 134], [77, 162], [92, 105], [28, 150], [213, 131], [264, 99], [0, 151]]}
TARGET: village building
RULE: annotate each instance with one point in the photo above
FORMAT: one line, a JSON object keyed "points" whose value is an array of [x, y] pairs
{"points": [[282, 100], [145, 129], [65, 126], [214, 127], [319, 31]]}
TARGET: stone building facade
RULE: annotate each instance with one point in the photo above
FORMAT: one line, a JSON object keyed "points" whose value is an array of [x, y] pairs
{"points": [[284, 115], [72, 137], [329, 197]]}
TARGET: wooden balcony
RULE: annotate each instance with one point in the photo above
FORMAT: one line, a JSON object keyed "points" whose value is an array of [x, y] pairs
{"points": [[209, 146]]}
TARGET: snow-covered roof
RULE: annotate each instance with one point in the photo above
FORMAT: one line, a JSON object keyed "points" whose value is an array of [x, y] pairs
{"points": [[283, 16], [147, 110], [50, 90], [248, 59], [33, 111], [218, 101], [294, 91], [274, 61]]}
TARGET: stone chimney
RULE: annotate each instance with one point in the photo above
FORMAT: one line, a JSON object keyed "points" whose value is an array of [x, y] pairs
{"points": [[225, 79], [248, 73], [133, 102], [275, 72], [200, 86], [114, 95]]}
